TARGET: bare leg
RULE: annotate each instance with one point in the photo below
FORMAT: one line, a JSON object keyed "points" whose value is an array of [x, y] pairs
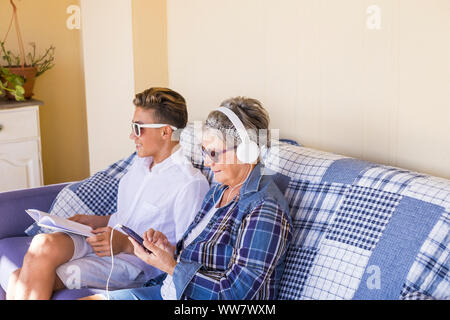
{"points": [[13, 278], [37, 279]]}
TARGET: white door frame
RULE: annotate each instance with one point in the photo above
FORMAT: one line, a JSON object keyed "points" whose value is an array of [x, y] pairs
{"points": [[107, 41]]}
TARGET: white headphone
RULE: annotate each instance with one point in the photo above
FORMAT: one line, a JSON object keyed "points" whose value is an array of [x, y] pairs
{"points": [[248, 150]]}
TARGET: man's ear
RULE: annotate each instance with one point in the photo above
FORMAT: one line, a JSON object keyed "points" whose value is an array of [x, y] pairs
{"points": [[167, 132]]}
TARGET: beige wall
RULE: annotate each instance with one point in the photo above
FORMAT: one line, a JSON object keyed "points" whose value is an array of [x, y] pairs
{"points": [[150, 44], [63, 117], [327, 80]]}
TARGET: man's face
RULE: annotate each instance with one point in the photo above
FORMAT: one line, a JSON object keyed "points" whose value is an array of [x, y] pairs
{"points": [[150, 140]]}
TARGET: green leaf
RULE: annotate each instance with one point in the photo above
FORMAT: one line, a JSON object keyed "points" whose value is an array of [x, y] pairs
{"points": [[19, 98], [6, 72], [20, 90], [16, 81]]}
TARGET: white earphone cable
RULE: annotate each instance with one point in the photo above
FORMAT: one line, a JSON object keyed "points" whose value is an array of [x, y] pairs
{"points": [[239, 184]]}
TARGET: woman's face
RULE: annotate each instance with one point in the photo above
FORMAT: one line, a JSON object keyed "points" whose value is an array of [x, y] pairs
{"points": [[226, 167], [150, 140]]}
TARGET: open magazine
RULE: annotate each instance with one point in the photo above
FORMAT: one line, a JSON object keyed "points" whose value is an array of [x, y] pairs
{"points": [[46, 220]]}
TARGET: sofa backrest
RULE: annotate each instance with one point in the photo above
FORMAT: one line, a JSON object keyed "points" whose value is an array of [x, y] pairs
{"points": [[360, 230]]}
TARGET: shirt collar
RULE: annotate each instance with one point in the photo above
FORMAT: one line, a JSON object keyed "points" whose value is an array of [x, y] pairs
{"points": [[173, 159], [254, 180]]}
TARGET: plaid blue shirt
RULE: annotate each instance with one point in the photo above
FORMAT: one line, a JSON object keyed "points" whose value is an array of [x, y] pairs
{"points": [[241, 252]]}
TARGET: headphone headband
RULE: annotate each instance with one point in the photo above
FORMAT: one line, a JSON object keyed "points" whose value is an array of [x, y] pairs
{"points": [[247, 150], [237, 123]]}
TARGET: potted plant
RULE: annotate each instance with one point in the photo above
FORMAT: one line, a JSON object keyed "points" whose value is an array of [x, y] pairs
{"points": [[18, 74], [18, 71]]}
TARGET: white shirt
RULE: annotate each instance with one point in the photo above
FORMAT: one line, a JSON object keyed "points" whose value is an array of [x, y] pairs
{"points": [[168, 291], [165, 198]]}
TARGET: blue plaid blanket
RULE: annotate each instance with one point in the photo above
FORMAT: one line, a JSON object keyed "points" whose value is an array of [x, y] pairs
{"points": [[361, 230]]}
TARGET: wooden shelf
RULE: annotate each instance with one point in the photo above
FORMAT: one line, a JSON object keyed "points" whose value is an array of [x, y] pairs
{"points": [[10, 104]]}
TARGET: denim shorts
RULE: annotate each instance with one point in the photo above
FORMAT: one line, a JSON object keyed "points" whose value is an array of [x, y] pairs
{"points": [[87, 270]]}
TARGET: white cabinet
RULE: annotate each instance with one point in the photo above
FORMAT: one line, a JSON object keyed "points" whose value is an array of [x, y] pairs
{"points": [[20, 146]]}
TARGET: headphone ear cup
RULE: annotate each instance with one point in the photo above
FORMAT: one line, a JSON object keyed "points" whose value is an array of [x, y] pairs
{"points": [[248, 152]]}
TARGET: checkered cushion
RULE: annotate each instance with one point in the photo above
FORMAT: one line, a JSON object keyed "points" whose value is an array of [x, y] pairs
{"points": [[362, 217]]}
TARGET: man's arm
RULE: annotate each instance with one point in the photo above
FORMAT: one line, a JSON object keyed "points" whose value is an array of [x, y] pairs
{"points": [[92, 221]]}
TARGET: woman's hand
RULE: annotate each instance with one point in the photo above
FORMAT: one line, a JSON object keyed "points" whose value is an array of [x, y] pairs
{"points": [[162, 251], [92, 221], [101, 242], [160, 239]]}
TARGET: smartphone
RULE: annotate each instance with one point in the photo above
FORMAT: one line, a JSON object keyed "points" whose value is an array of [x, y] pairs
{"points": [[135, 236]]}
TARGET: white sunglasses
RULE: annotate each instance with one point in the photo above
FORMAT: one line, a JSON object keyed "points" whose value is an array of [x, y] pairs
{"points": [[136, 127]]}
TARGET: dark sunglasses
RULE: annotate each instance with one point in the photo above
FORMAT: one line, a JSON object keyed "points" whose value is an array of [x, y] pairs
{"points": [[214, 155]]}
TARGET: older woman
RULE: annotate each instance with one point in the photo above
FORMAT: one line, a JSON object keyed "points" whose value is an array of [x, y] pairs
{"points": [[235, 247]]}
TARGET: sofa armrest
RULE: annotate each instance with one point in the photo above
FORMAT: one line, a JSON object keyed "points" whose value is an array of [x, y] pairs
{"points": [[13, 218]]}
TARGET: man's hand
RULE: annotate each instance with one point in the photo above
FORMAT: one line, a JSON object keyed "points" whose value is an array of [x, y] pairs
{"points": [[101, 242], [162, 251], [92, 221]]}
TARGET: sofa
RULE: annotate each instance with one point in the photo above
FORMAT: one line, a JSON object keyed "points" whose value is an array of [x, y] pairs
{"points": [[361, 230]]}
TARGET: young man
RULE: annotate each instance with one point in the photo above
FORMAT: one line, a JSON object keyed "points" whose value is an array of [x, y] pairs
{"points": [[161, 190]]}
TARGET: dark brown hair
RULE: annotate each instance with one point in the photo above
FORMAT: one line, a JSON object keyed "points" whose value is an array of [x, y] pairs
{"points": [[168, 106]]}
